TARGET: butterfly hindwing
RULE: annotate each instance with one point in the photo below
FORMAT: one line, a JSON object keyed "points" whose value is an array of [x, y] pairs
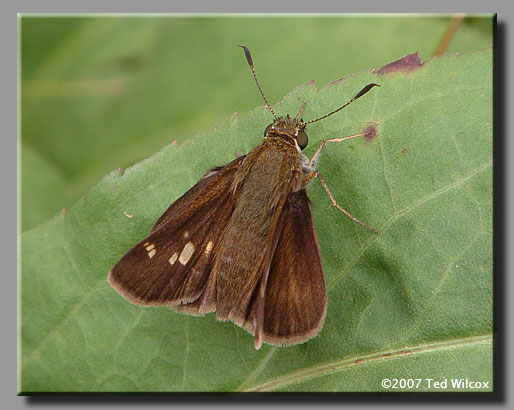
{"points": [[294, 304], [161, 271]]}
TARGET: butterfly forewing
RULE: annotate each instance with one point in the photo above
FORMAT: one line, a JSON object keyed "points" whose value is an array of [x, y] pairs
{"points": [[161, 271]]}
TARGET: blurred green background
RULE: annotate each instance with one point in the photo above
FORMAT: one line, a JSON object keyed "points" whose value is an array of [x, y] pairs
{"points": [[99, 93]]}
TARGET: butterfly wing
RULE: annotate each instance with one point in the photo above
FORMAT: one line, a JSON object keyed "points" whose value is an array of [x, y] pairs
{"points": [[244, 250], [157, 271], [289, 305]]}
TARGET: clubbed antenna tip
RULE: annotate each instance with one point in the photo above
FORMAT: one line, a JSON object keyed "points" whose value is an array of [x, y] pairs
{"points": [[247, 54], [250, 63], [359, 94]]}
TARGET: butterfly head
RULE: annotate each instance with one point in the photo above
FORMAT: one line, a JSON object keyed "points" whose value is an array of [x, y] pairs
{"points": [[293, 129], [290, 129]]}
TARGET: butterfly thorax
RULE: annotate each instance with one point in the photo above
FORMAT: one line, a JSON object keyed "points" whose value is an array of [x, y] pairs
{"points": [[274, 161]]}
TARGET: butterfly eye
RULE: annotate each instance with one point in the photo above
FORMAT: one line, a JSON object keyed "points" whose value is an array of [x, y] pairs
{"points": [[302, 139], [267, 130]]}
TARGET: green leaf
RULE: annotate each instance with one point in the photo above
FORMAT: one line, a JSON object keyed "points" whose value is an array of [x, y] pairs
{"points": [[414, 301], [43, 188], [103, 92]]}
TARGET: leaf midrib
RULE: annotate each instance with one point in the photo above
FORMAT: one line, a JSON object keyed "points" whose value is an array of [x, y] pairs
{"points": [[352, 362]]}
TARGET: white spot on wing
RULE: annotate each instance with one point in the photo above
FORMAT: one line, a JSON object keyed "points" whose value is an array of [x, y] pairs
{"points": [[186, 253], [208, 248], [152, 253], [186, 234], [150, 247], [173, 258]]}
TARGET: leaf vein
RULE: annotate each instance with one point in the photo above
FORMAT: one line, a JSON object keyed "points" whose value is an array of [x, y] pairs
{"points": [[401, 213], [439, 287], [352, 362], [66, 319]]}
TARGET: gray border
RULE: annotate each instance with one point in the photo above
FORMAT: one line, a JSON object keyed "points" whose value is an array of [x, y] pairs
{"points": [[505, 151]]}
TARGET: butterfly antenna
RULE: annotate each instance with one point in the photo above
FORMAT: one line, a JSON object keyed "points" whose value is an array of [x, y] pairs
{"points": [[301, 110], [250, 63], [359, 94]]}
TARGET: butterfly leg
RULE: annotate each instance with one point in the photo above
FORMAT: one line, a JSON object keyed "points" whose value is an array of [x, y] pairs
{"points": [[315, 158], [313, 173]]}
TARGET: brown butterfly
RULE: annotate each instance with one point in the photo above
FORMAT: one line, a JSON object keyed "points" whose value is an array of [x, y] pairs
{"points": [[242, 242]]}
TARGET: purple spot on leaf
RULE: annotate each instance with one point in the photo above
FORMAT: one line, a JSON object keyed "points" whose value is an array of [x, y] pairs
{"points": [[405, 64]]}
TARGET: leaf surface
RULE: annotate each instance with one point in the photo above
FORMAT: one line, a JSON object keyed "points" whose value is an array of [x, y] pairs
{"points": [[414, 301]]}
